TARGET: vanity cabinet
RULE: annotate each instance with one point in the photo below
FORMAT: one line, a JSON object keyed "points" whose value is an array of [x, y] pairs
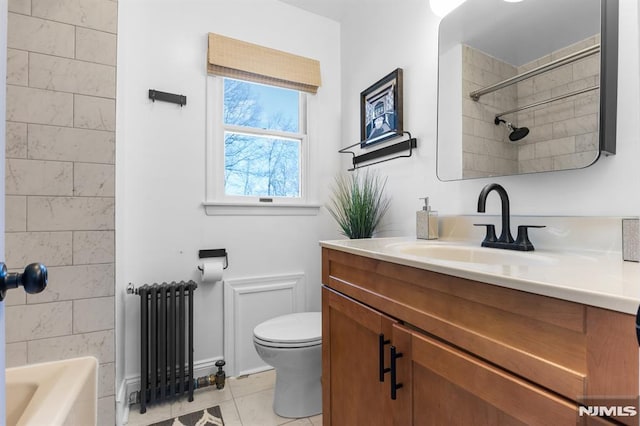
{"points": [[352, 360], [466, 352]]}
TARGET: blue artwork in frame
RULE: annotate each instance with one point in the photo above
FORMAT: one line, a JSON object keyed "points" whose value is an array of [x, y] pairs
{"points": [[381, 110]]}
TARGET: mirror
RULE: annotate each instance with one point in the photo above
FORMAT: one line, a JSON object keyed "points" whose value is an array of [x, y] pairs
{"points": [[526, 87]]}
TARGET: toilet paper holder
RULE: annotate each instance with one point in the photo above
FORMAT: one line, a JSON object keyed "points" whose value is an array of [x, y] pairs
{"points": [[207, 253]]}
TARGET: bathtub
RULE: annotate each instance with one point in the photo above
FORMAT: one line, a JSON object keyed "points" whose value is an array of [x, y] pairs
{"points": [[53, 393]]}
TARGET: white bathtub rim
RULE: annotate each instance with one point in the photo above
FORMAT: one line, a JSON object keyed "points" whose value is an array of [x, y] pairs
{"points": [[54, 399]]}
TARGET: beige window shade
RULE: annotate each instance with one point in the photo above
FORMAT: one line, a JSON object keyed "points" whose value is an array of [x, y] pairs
{"points": [[229, 57]]}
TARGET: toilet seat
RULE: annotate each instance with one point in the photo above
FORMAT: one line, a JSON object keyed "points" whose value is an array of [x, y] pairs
{"points": [[284, 345], [297, 330]]}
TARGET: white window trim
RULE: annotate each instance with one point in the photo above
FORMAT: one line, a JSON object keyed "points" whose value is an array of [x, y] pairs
{"points": [[216, 202]]}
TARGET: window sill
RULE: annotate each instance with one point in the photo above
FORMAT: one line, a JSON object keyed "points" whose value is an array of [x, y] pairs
{"points": [[259, 209]]}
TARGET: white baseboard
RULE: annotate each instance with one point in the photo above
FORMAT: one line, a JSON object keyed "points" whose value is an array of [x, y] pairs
{"points": [[257, 370], [122, 408]]}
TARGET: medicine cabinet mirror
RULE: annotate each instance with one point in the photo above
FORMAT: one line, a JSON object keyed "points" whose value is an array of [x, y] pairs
{"points": [[526, 87]]}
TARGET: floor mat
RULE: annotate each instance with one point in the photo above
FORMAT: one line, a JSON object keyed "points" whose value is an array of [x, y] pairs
{"points": [[210, 416]]}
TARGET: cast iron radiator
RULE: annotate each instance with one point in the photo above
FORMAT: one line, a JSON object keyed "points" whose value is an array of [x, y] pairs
{"points": [[166, 335]]}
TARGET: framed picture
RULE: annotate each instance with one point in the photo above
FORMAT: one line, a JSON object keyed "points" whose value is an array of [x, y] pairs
{"points": [[381, 110]]}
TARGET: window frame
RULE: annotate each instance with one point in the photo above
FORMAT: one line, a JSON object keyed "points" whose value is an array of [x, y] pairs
{"points": [[216, 201]]}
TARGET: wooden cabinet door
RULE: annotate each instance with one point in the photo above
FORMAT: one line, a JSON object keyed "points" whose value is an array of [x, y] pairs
{"points": [[442, 385], [351, 388]]}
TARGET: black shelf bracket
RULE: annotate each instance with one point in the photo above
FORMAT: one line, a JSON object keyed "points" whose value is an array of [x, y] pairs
{"points": [[156, 95], [357, 160]]}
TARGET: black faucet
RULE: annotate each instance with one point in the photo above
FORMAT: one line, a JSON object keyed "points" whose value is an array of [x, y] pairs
{"points": [[505, 241]]}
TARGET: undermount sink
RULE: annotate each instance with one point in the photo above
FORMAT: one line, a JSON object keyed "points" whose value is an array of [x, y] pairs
{"points": [[470, 254]]}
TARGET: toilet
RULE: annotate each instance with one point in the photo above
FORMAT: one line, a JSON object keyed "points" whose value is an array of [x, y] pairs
{"points": [[292, 344]]}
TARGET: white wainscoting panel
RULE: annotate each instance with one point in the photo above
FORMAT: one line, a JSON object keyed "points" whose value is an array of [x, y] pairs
{"points": [[247, 303]]}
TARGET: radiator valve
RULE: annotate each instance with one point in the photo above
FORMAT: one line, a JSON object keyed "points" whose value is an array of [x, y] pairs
{"points": [[220, 374]]}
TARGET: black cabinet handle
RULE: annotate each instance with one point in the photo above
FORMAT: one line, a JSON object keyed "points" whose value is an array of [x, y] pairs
{"points": [[394, 385], [381, 343], [638, 325]]}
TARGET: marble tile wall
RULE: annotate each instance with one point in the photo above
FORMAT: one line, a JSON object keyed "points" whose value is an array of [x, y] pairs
{"points": [[564, 134], [60, 182], [486, 150]]}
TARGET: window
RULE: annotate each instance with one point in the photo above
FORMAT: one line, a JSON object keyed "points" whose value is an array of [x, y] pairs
{"points": [[263, 140], [258, 144]]}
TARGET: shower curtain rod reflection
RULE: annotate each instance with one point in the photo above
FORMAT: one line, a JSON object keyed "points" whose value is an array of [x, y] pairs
{"points": [[557, 98], [475, 95]]}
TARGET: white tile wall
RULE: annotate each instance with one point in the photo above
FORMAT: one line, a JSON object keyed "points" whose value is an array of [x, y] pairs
{"points": [[17, 67], [15, 219], [563, 134], [69, 144], [576, 126], [99, 344], [20, 6], [95, 46], [30, 322], [25, 104], [16, 140], [94, 113], [93, 314], [60, 179], [70, 75], [486, 151], [39, 35], [50, 248], [96, 180], [77, 282], [34, 177], [70, 213], [587, 142], [90, 247], [106, 379], [14, 298], [96, 14], [16, 354], [106, 411]]}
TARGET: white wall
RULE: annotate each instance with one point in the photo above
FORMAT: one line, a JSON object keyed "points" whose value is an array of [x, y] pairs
{"points": [[161, 159], [408, 39]]}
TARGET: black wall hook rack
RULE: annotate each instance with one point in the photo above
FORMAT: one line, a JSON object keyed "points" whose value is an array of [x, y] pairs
{"points": [[405, 145], [156, 95], [203, 254]]}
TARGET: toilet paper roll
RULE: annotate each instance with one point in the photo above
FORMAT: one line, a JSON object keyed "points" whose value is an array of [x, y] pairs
{"points": [[212, 270]]}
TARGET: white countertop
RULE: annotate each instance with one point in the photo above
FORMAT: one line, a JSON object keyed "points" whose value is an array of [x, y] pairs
{"points": [[597, 278]]}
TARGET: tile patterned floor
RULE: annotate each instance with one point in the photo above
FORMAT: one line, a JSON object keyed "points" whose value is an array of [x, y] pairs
{"points": [[244, 401]]}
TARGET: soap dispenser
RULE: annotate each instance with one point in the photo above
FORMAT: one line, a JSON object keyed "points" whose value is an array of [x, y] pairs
{"points": [[427, 222]]}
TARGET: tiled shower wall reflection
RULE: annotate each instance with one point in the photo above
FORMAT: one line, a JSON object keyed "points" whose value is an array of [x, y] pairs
{"points": [[486, 150], [60, 179], [563, 134], [566, 131]]}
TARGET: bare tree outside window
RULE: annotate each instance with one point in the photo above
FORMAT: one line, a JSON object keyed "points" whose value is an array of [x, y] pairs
{"points": [[258, 163]]}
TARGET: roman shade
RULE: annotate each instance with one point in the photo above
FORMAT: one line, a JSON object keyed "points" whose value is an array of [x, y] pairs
{"points": [[233, 58]]}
